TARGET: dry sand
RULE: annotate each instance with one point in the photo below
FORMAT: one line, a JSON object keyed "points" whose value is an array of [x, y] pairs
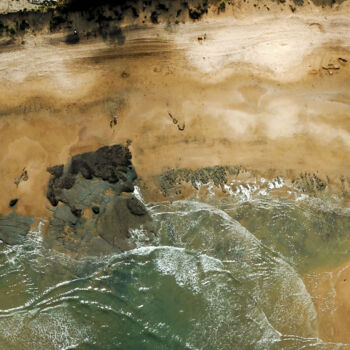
{"points": [[240, 105]]}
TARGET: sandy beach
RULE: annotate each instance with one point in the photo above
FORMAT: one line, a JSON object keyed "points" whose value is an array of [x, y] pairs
{"points": [[268, 91], [246, 95]]}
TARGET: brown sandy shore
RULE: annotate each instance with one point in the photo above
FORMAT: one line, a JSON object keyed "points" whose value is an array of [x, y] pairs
{"points": [[267, 91], [330, 290]]}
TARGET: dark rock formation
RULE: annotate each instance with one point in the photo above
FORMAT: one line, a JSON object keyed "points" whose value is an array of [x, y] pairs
{"points": [[13, 202], [109, 163], [95, 213], [56, 171], [96, 210], [194, 14], [14, 228], [72, 39]]}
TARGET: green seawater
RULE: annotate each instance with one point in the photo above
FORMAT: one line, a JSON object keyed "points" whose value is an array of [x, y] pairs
{"points": [[223, 274]]}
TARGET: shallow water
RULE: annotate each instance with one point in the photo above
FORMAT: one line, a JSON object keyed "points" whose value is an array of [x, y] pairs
{"points": [[222, 275]]}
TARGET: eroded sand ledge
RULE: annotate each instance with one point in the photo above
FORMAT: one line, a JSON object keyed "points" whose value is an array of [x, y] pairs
{"points": [[268, 92]]}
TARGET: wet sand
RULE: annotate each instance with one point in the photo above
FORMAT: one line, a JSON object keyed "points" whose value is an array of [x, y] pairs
{"points": [[330, 290]]}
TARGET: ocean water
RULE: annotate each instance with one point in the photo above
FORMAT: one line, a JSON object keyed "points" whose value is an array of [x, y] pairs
{"points": [[222, 274]]}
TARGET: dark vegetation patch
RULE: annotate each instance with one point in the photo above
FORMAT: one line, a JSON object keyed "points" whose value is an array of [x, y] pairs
{"points": [[162, 7], [222, 7], [135, 12], [57, 20], [154, 17], [72, 39], [24, 25], [113, 35], [22, 21], [101, 17]]}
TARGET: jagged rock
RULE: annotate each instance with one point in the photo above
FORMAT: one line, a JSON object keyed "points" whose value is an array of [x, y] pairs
{"points": [[56, 171], [171, 178], [127, 187], [112, 222], [93, 216], [135, 206], [109, 163], [102, 161], [14, 228]]}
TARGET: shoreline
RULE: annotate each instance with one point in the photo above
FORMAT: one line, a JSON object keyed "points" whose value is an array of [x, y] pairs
{"points": [[261, 91]]}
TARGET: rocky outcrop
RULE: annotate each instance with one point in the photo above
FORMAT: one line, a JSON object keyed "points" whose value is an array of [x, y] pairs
{"points": [[111, 164], [94, 209]]}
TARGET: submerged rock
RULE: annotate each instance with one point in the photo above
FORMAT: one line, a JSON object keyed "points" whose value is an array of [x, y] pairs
{"points": [[136, 207], [118, 219], [14, 228]]}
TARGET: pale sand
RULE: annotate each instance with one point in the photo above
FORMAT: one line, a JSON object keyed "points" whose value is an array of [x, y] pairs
{"points": [[7, 6]]}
